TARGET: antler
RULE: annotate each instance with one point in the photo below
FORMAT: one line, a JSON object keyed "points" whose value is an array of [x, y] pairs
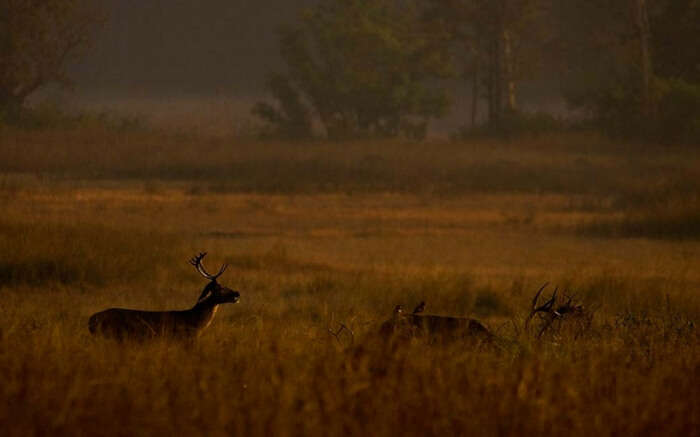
{"points": [[545, 308], [537, 295], [197, 263], [551, 313], [337, 333]]}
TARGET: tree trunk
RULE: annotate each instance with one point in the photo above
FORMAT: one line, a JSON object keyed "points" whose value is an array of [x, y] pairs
{"points": [[644, 36], [496, 76], [495, 80], [509, 71], [475, 89]]}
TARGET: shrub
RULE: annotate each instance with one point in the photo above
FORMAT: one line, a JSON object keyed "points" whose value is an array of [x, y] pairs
{"points": [[515, 124], [50, 114], [676, 119], [678, 112]]}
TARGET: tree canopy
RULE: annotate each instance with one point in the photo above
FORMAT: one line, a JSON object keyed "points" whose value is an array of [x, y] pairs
{"points": [[37, 39], [363, 68], [633, 65]]}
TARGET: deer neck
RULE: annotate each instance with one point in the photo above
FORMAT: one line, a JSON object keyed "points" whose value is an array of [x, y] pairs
{"points": [[204, 312]]}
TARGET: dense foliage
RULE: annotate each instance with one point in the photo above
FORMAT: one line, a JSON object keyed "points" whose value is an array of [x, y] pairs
{"points": [[368, 67], [363, 68]]}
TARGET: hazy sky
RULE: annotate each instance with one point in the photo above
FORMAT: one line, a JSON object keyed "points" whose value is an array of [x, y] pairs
{"points": [[151, 48]]}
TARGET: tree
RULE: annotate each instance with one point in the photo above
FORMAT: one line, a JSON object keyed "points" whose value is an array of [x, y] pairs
{"points": [[634, 65], [675, 41], [499, 39], [37, 40], [291, 118], [362, 68], [600, 48], [641, 19]]}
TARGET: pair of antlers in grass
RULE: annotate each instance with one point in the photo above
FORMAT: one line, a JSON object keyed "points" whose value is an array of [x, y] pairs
{"points": [[549, 312]]}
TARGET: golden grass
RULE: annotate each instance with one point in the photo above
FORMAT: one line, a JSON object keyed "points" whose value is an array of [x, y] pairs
{"points": [[308, 256]]}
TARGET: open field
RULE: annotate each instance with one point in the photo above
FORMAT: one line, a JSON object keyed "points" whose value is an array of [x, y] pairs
{"points": [[321, 234]]}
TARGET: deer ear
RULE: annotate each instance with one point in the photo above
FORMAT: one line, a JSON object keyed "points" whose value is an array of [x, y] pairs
{"points": [[419, 309]]}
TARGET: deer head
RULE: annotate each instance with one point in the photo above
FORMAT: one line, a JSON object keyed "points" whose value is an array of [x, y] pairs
{"points": [[548, 312], [213, 292]]}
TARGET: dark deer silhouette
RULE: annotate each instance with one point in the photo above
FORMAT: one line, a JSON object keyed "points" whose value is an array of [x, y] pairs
{"points": [[136, 324], [441, 328], [551, 314]]}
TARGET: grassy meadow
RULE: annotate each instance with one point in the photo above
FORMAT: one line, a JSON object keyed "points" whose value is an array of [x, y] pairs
{"points": [[319, 235]]}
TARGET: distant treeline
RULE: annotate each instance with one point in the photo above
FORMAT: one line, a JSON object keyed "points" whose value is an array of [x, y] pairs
{"points": [[386, 68], [372, 68]]}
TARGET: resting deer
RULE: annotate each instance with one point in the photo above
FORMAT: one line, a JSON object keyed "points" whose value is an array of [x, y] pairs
{"points": [[123, 323], [435, 327]]}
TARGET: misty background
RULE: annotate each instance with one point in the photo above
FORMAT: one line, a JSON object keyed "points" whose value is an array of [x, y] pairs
{"points": [[199, 64], [202, 64]]}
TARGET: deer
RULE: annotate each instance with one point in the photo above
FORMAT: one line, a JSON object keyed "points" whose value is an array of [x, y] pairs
{"points": [[442, 328], [549, 312], [122, 324]]}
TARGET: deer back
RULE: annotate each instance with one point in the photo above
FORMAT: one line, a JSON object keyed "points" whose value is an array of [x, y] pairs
{"points": [[446, 326], [121, 323]]}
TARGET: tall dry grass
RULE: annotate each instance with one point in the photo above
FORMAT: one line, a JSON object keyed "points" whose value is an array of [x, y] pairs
{"points": [[570, 164], [93, 220]]}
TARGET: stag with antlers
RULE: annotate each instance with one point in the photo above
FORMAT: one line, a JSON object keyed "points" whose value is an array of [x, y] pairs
{"points": [[122, 323]]}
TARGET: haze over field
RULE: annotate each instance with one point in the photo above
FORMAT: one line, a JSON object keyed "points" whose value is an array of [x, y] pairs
{"points": [[155, 48], [203, 65], [194, 64], [365, 68]]}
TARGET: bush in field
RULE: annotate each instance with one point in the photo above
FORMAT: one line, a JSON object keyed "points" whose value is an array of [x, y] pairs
{"points": [[676, 119], [362, 68], [291, 119], [679, 112]]}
